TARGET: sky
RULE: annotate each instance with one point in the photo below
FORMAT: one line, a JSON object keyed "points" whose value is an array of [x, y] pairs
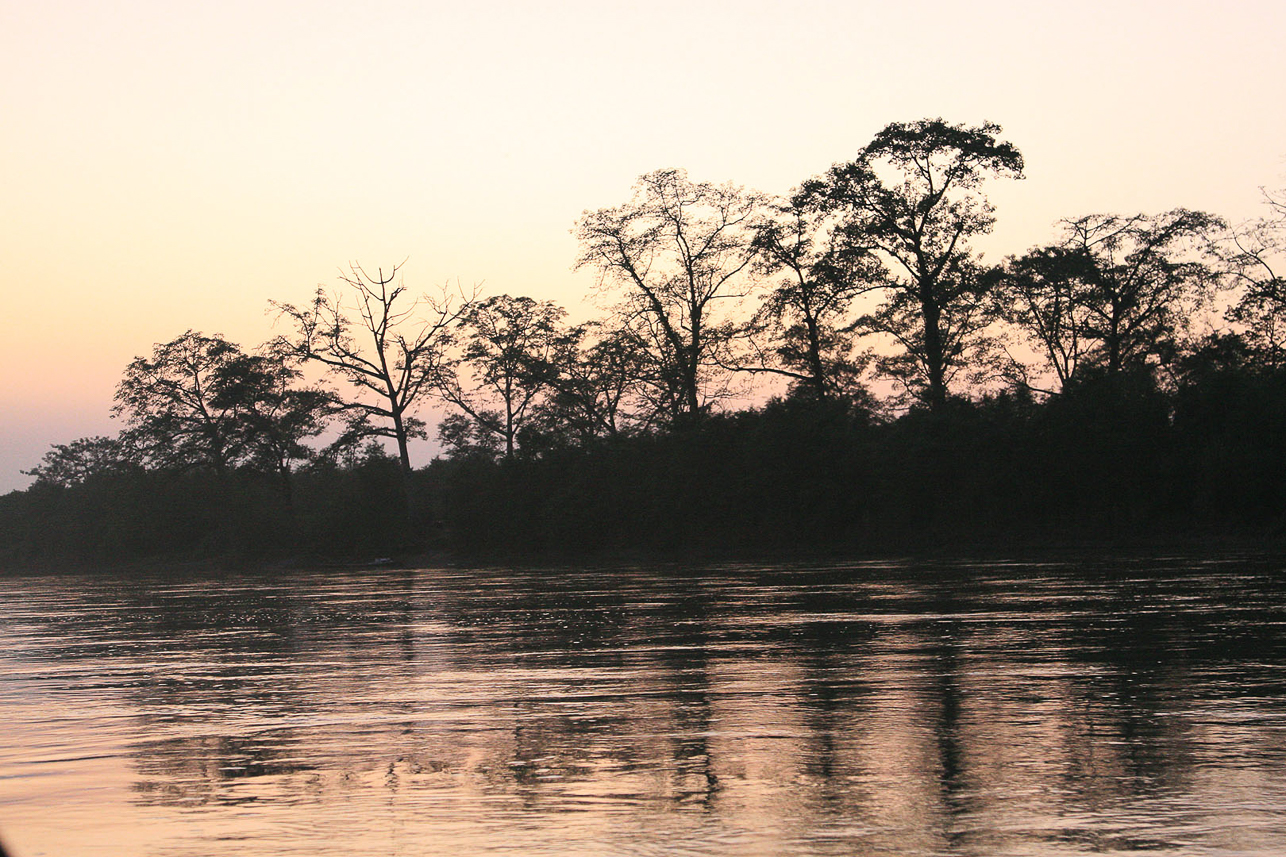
{"points": [[171, 166]]}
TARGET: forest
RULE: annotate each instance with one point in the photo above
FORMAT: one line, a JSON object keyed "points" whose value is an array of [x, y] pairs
{"points": [[836, 371]]}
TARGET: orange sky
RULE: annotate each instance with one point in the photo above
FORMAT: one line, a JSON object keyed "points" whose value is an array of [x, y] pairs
{"points": [[169, 166]]}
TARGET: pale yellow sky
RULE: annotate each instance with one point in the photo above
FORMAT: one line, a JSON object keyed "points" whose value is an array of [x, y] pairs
{"points": [[166, 166]]}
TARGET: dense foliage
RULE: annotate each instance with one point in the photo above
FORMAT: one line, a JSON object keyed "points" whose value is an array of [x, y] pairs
{"points": [[1124, 382]]}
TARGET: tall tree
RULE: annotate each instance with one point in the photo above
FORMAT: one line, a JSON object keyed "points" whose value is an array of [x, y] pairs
{"points": [[505, 367], [912, 195], [387, 345], [676, 249]]}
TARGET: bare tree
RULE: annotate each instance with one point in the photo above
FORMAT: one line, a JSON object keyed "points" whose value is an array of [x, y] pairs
{"points": [[676, 249], [387, 345]]}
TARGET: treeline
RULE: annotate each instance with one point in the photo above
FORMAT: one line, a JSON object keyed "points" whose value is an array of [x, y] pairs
{"points": [[1125, 381]]}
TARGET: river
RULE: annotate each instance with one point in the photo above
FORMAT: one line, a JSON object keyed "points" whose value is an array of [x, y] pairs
{"points": [[1114, 706]]}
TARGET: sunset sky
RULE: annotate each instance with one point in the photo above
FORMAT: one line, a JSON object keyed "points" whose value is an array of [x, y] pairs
{"points": [[166, 166]]}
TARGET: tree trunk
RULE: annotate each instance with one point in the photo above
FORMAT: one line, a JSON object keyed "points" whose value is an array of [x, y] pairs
{"points": [[404, 458], [934, 358]]}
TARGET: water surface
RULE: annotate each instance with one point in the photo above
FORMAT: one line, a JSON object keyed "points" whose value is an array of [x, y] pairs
{"points": [[1112, 707]]}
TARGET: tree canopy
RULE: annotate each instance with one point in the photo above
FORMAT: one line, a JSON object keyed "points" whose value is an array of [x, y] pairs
{"points": [[913, 196], [1144, 387], [675, 250]]}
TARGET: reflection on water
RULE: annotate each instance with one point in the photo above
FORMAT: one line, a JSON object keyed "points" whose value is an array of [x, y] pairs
{"points": [[870, 709]]}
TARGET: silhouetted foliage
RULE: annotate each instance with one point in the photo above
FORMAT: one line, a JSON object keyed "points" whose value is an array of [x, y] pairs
{"points": [[1043, 296], [912, 194], [200, 401], [802, 330], [507, 365], [1230, 427], [615, 435], [72, 463], [600, 386], [1132, 283], [175, 407], [676, 250], [1257, 263]]}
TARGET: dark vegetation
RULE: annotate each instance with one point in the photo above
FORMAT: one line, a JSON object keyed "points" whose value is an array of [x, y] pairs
{"points": [[1124, 383]]}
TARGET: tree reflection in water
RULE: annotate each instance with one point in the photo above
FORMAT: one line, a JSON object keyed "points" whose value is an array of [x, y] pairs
{"points": [[909, 709]]}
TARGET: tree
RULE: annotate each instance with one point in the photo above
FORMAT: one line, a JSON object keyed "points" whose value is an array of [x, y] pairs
{"points": [[72, 463], [175, 405], [505, 367], [601, 385], [201, 401], [804, 317], [912, 195], [1258, 264], [677, 249], [1142, 279], [276, 415], [387, 346], [1043, 295]]}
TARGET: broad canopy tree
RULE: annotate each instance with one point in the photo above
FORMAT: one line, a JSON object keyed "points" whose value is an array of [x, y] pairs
{"points": [[1150, 275], [799, 331], [1042, 296], [174, 406], [201, 401], [277, 414], [1115, 290], [67, 464], [913, 196]]}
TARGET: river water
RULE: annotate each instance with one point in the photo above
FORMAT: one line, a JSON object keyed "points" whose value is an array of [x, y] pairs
{"points": [[906, 708]]}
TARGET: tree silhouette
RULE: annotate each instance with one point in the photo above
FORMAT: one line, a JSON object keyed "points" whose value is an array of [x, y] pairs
{"points": [[389, 347], [1149, 275], [201, 401], [1043, 295], [801, 328], [912, 195], [601, 385], [506, 365], [176, 406], [1258, 265], [676, 248], [277, 416], [67, 464]]}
